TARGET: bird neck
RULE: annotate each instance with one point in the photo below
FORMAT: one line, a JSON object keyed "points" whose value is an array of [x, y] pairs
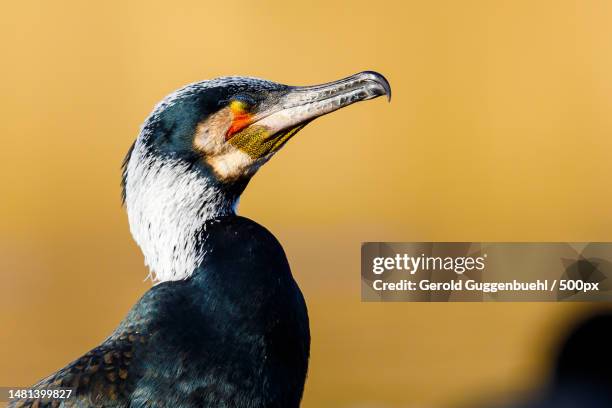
{"points": [[168, 202]]}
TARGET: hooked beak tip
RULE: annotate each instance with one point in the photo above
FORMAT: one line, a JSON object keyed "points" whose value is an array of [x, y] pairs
{"points": [[380, 80]]}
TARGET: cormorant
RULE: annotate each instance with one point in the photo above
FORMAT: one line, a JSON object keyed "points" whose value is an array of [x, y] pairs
{"points": [[226, 324]]}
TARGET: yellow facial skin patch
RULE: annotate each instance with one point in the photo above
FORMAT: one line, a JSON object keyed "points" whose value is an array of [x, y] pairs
{"points": [[241, 118], [238, 106]]}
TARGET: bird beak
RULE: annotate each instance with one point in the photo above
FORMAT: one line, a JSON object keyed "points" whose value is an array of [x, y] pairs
{"points": [[300, 105]]}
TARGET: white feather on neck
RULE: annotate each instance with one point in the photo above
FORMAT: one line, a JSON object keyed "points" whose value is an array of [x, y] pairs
{"points": [[167, 205]]}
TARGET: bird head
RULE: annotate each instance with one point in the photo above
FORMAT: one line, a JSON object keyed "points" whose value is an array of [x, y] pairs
{"points": [[201, 145]]}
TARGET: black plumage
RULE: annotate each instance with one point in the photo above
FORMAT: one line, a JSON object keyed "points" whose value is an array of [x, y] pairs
{"points": [[235, 334]]}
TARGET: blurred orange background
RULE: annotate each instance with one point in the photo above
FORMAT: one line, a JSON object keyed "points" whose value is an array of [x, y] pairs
{"points": [[499, 130]]}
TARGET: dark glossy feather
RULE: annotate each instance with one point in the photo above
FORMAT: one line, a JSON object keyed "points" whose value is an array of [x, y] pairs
{"points": [[235, 334]]}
